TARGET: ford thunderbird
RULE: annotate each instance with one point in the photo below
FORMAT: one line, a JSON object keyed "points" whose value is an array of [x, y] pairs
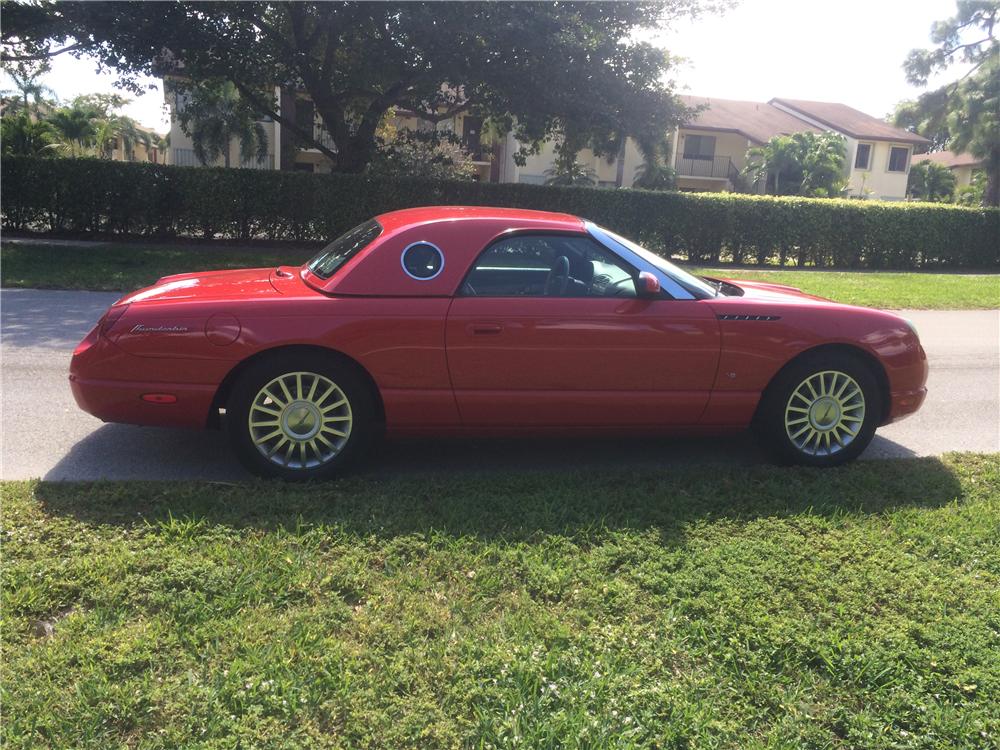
{"points": [[488, 321]]}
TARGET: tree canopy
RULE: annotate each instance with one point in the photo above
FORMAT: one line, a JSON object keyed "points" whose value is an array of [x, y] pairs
{"points": [[536, 69], [963, 116]]}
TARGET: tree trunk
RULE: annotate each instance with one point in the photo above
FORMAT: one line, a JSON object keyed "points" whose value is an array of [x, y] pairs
{"points": [[991, 196]]}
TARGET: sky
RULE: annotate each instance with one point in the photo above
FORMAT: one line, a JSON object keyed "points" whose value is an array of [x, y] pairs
{"points": [[848, 51]]}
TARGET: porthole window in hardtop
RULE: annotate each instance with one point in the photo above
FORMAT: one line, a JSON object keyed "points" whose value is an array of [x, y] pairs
{"points": [[342, 249], [422, 260]]}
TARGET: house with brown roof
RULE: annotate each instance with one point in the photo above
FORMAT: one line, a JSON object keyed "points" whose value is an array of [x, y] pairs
{"points": [[963, 166], [710, 149], [878, 154]]}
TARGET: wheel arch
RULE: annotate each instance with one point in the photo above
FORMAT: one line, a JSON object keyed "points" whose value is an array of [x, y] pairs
{"points": [[226, 386], [869, 359]]}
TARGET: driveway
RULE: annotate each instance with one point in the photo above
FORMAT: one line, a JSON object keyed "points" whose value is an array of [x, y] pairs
{"points": [[45, 435]]}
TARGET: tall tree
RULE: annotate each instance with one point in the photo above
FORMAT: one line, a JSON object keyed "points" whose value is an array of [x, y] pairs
{"points": [[533, 68], [28, 86], [968, 109]]}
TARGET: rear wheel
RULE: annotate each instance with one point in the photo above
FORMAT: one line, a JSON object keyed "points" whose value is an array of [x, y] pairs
{"points": [[821, 411], [304, 417]]}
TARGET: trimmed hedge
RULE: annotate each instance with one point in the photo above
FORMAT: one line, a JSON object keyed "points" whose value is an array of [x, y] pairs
{"points": [[105, 197]]}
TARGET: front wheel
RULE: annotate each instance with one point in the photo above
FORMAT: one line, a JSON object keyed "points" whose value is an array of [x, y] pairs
{"points": [[822, 411], [300, 418]]}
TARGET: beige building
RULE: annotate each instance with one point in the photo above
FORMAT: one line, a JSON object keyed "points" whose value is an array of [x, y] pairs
{"points": [[878, 154], [961, 165], [708, 152]]}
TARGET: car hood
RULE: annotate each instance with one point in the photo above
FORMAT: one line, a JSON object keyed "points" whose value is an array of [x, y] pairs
{"points": [[766, 291], [242, 284]]}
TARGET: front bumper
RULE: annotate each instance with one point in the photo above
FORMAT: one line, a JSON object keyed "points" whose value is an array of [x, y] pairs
{"points": [[122, 401]]}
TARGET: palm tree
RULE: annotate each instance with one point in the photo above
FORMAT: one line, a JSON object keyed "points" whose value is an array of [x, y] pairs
{"points": [[29, 90], [215, 117], [654, 173], [570, 173], [779, 159], [119, 128], [76, 129], [929, 181], [803, 163], [824, 157]]}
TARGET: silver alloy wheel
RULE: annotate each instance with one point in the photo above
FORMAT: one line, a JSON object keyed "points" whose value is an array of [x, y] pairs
{"points": [[300, 420], [825, 413]]}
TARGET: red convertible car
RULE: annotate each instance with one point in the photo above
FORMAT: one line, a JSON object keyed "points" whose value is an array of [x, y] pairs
{"points": [[462, 320]]}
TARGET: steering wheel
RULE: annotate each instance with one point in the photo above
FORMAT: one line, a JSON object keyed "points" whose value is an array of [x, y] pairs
{"points": [[558, 277], [468, 290]]}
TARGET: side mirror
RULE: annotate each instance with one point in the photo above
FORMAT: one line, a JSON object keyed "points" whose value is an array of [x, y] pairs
{"points": [[647, 285]]}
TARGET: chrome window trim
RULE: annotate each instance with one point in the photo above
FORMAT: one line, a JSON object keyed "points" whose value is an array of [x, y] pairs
{"points": [[402, 261], [667, 282]]}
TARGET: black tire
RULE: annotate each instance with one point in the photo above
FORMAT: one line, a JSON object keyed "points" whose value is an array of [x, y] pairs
{"points": [[770, 421], [364, 425]]}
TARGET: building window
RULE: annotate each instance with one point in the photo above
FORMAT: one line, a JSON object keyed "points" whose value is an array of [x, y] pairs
{"points": [[699, 147], [863, 159], [897, 158]]}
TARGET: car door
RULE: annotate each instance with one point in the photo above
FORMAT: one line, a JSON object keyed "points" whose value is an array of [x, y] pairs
{"points": [[549, 331]]}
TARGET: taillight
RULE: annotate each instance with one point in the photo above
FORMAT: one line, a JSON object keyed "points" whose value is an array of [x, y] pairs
{"points": [[110, 318]]}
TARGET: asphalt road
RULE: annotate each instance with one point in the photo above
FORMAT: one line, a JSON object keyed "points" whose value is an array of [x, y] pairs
{"points": [[45, 435]]}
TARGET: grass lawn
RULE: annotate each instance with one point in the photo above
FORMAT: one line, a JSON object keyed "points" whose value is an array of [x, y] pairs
{"points": [[886, 290], [728, 607], [124, 266]]}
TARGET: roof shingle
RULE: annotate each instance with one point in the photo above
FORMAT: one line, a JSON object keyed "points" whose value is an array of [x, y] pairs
{"points": [[850, 121], [758, 121]]}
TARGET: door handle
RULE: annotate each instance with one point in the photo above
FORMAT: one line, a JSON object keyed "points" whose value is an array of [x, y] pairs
{"points": [[484, 329]]}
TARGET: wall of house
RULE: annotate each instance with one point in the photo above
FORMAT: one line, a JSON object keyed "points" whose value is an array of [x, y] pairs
{"points": [[877, 182], [733, 145]]}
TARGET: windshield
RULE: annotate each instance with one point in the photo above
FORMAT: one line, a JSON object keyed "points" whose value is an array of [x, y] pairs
{"points": [[692, 283], [342, 249]]}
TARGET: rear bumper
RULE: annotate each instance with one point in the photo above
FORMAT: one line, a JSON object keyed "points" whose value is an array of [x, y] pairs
{"points": [[121, 401]]}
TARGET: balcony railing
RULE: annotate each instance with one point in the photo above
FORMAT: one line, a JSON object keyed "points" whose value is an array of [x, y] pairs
{"points": [[322, 135], [718, 167]]}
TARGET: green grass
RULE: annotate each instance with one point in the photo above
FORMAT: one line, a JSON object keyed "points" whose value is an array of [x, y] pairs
{"points": [[883, 289], [721, 607], [124, 267]]}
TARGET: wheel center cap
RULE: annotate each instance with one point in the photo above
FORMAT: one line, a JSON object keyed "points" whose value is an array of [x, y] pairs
{"points": [[301, 420], [824, 413]]}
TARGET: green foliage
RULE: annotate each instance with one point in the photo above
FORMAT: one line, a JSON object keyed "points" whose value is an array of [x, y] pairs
{"points": [[571, 173], [533, 68], [965, 112], [806, 163], [972, 194], [22, 136], [723, 607], [930, 181], [433, 156], [655, 172], [64, 195], [214, 115]]}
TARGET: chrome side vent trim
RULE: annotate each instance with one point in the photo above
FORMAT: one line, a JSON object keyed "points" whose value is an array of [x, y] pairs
{"points": [[733, 316]]}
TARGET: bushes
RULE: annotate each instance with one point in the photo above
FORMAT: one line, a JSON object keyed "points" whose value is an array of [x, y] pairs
{"points": [[91, 196]]}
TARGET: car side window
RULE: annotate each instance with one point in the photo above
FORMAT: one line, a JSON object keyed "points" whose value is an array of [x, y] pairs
{"points": [[544, 265]]}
